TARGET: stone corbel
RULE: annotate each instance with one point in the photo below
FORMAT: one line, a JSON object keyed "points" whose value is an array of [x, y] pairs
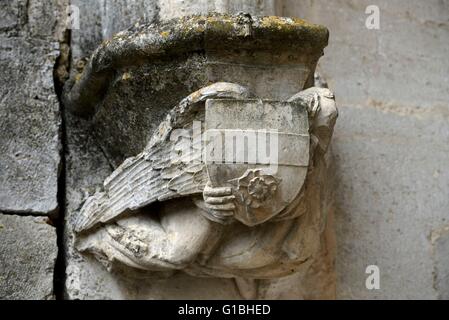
{"points": [[161, 97]]}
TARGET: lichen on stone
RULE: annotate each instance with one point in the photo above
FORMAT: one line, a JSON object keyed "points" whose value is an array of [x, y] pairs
{"points": [[143, 43]]}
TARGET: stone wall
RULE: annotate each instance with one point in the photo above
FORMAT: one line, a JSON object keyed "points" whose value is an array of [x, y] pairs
{"points": [[31, 33], [390, 145]]}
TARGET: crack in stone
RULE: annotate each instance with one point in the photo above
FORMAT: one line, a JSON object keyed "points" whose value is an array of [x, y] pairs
{"points": [[62, 62]]}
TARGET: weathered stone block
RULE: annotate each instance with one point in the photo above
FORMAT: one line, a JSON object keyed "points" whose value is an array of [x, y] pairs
{"points": [[29, 125], [29, 108], [390, 143], [388, 200], [101, 19], [11, 14], [28, 253]]}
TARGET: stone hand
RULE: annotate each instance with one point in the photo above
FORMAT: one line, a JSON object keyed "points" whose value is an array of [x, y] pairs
{"points": [[219, 201]]}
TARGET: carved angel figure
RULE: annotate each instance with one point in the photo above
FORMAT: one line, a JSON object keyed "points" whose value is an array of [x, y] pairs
{"points": [[164, 211]]}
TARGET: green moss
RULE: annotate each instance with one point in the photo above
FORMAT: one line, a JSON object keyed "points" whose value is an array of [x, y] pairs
{"points": [[165, 34]]}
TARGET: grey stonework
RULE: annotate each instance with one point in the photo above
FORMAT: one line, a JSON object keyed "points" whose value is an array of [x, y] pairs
{"points": [[29, 108], [30, 120], [390, 149], [440, 242], [31, 36], [101, 19], [27, 258]]}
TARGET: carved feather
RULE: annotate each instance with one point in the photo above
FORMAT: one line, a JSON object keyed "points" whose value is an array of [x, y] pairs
{"points": [[158, 173]]}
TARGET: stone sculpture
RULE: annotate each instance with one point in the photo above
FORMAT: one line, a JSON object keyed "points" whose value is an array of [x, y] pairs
{"points": [[247, 210]]}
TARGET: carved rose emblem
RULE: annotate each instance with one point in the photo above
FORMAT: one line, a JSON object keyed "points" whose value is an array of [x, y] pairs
{"points": [[256, 188]]}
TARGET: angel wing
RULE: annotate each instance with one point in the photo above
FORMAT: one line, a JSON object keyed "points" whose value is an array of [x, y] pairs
{"points": [[158, 173]]}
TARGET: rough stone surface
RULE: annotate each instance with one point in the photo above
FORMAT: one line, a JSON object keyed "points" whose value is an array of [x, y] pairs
{"points": [[29, 122], [119, 15], [440, 241], [89, 35], [390, 143], [101, 19], [263, 42], [27, 258], [31, 40], [30, 32], [86, 166]]}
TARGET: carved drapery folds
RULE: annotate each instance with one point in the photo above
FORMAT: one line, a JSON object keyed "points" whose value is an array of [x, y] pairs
{"points": [[218, 143]]}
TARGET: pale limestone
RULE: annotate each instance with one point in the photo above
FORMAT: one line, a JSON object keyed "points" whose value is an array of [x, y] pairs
{"points": [[115, 225]]}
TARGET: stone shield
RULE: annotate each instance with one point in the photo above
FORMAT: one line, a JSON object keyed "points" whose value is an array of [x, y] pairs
{"points": [[260, 148]]}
